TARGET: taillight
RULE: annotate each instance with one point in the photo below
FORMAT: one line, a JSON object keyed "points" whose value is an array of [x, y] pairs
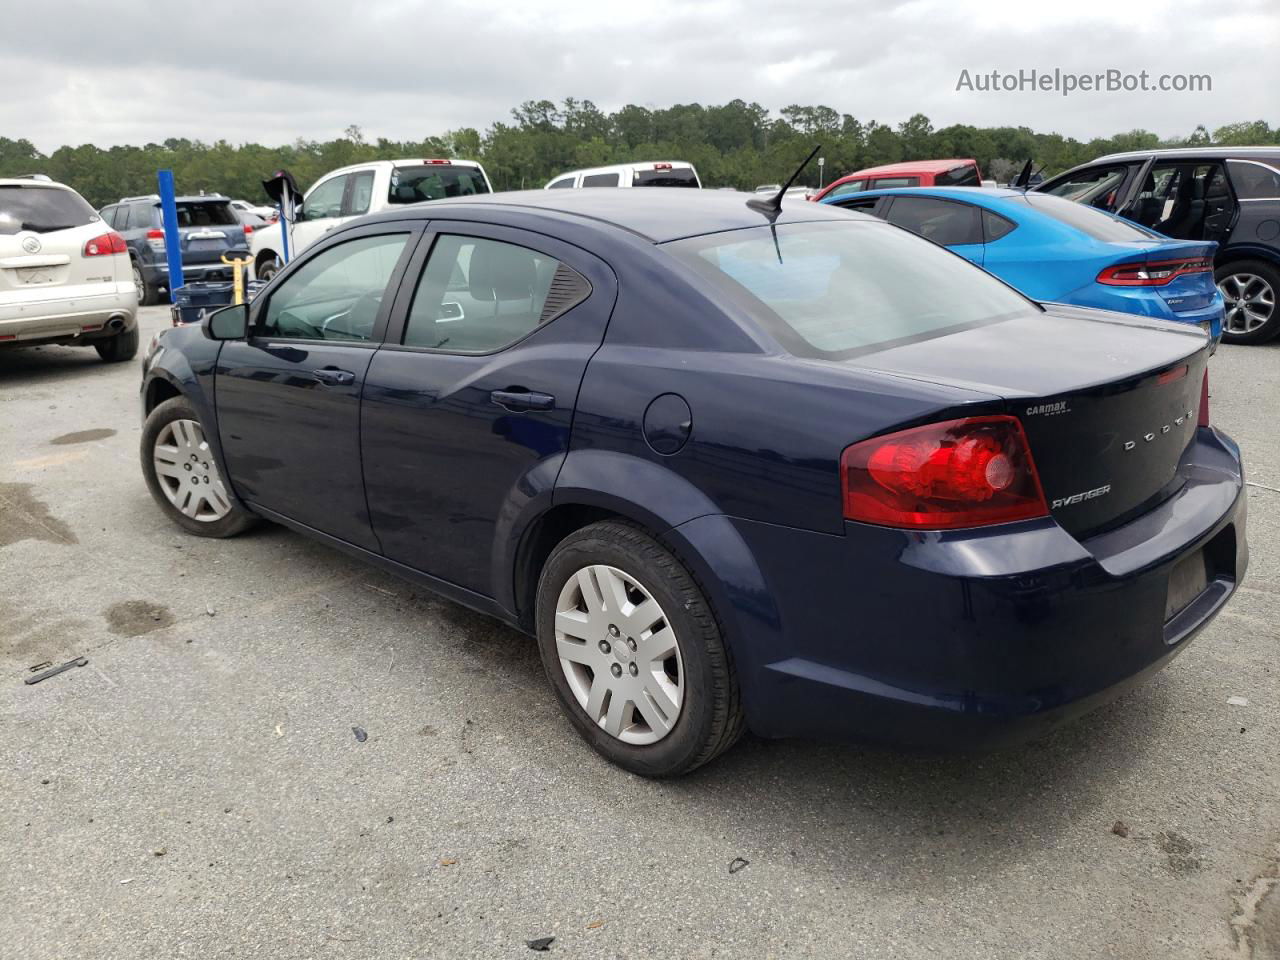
{"points": [[247, 229], [155, 239], [943, 476], [662, 166], [1152, 274], [1204, 400], [105, 245]]}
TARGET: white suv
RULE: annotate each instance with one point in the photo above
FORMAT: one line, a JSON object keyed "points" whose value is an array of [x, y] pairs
{"points": [[64, 274], [658, 173]]}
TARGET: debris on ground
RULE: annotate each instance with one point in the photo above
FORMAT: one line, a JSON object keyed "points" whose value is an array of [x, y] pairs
{"points": [[447, 862], [595, 924], [210, 612], [1238, 701], [737, 863], [1120, 828], [279, 730], [160, 852], [54, 671], [40, 666], [542, 943], [361, 736]]}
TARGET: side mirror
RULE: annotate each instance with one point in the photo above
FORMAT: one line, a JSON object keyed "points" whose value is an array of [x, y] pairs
{"points": [[229, 323]]}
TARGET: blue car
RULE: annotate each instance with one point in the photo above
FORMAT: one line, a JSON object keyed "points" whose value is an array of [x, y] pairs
{"points": [[1056, 251], [731, 465]]}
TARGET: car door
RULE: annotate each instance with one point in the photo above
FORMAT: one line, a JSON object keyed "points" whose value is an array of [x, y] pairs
{"points": [[320, 212], [474, 391], [288, 396], [950, 223]]}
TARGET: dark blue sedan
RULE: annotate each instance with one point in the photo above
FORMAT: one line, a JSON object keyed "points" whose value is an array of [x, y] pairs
{"points": [[803, 472]]}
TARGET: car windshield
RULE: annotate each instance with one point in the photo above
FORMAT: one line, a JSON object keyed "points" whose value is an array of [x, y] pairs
{"points": [[835, 290], [42, 209], [215, 213], [434, 181], [1088, 220]]}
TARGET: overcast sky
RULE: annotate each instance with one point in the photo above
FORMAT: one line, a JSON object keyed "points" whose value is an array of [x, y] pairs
{"points": [[131, 72]]}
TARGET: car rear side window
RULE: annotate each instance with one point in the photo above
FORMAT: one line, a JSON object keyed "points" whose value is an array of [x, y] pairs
{"points": [[143, 216], [965, 175], [478, 295], [564, 183], [42, 209], [995, 226], [891, 183], [1254, 180], [601, 180], [833, 290], [1088, 220], [335, 295], [361, 193], [434, 181], [945, 222], [853, 186], [675, 176], [212, 213]]}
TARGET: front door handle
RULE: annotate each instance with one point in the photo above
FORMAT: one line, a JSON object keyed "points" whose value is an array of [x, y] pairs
{"points": [[520, 399], [334, 377]]}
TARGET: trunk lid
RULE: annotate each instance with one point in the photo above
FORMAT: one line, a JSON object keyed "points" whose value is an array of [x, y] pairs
{"points": [[43, 231], [1109, 402], [1191, 288]]}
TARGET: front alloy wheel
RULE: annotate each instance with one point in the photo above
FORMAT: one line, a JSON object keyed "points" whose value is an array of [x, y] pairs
{"points": [[619, 654], [187, 473]]}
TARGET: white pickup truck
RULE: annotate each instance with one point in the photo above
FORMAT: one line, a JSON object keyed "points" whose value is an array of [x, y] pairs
{"points": [[363, 188]]}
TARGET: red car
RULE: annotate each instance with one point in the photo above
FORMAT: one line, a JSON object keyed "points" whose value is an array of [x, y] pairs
{"points": [[913, 173]]}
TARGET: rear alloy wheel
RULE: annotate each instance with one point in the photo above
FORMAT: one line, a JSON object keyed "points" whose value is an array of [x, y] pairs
{"points": [[634, 652], [1249, 300], [183, 475], [147, 294], [267, 269]]}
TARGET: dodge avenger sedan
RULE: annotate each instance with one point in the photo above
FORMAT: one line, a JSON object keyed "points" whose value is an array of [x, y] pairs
{"points": [[793, 470]]}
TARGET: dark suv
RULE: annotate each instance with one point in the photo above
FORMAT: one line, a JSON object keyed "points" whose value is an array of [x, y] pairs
{"points": [[1227, 194], [209, 227]]}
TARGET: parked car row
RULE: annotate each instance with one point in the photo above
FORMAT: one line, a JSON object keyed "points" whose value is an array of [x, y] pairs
{"points": [[734, 463]]}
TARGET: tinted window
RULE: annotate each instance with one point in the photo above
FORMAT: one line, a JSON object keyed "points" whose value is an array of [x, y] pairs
{"points": [[1095, 223], [108, 215], [434, 181], [995, 226], [325, 200], [561, 184], [42, 209], [942, 221], [853, 186], [1098, 186], [478, 295], [887, 183], [835, 289], [213, 213], [143, 216], [1254, 180], [962, 176], [361, 193], [673, 177], [861, 204], [601, 180], [336, 294]]}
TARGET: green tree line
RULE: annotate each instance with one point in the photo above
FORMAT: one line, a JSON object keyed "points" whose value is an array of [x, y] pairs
{"points": [[736, 144]]}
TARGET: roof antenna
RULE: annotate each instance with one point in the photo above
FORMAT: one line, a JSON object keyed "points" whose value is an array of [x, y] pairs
{"points": [[1024, 178], [773, 206]]}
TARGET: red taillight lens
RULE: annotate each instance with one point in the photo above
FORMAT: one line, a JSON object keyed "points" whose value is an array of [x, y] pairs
{"points": [[155, 234], [1204, 400], [247, 229], [105, 245], [1152, 274], [944, 476]]}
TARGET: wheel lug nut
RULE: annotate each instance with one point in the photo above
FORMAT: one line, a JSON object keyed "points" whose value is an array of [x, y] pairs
{"points": [[631, 643], [613, 631], [634, 669], [617, 669], [604, 646]]}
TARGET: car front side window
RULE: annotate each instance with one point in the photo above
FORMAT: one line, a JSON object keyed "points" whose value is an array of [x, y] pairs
{"points": [[325, 200], [335, 295]]}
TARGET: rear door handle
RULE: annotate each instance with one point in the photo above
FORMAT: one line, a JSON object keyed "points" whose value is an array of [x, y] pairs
{"points": [[334, 377], [517, 399]]}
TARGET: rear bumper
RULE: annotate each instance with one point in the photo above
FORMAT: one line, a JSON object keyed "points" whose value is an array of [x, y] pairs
{"points": [[81, 317], [157, 274], [971, 638]]}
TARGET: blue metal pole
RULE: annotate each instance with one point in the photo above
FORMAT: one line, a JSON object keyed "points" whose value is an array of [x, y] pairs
{"points": [[284, 227], [172, 239]]}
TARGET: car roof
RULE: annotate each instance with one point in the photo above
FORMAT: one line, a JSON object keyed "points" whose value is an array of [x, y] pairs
{"points": [[982, 196], [620, 167], [913, 166], [1213, 153], [657, 214], [32, 182]]}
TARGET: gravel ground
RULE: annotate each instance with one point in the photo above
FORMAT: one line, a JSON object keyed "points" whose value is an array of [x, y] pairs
{"points": [[197, 789]]}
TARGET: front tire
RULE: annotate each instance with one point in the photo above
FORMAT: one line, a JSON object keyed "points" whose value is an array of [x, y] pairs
{"points": [[1249, 289], [183, 476], [123, 346], [634, 652]]}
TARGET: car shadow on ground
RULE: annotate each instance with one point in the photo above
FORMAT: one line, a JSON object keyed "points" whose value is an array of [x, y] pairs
{"points": [[21, 366]]}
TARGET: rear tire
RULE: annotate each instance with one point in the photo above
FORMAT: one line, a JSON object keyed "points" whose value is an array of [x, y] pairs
{"points": [[267, 269], [680, 655], [173, 436], [148, 294], [1249, 290], [123, 346]]}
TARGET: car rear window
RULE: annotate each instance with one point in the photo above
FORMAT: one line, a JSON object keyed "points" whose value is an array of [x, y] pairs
{"points": [[211, 213], [965, 175], [673, 177], [1088, 220], [835, 290], [42, 209], [435, 181]]}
